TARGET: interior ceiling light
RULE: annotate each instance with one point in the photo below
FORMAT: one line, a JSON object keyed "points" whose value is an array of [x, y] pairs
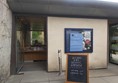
{"points": [[116, 1]]}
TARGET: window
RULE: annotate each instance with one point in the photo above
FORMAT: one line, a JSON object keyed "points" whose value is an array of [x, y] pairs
{"points": [[37, 35]]}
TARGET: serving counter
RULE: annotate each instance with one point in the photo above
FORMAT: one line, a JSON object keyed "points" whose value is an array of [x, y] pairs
{"points": [[35, 55]]}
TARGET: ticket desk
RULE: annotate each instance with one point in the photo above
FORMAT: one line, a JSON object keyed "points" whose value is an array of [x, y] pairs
{"points": [[35, 55]]}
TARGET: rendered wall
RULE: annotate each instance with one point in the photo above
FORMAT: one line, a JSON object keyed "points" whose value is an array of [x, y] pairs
{"points": [[5, 40], [56, 25]]}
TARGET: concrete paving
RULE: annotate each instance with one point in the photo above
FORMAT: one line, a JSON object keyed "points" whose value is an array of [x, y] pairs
{"points": [[109, 75]]}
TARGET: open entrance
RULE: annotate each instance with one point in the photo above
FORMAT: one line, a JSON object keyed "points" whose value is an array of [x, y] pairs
{"points": [[31, 43], [113, 41]]}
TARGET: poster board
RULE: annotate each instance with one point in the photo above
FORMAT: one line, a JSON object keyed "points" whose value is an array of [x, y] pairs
{"points": [[77, 68], [78, 40]]}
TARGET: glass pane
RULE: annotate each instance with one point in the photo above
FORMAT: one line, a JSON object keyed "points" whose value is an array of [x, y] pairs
{"points": [[19, 53], [37, 35]]}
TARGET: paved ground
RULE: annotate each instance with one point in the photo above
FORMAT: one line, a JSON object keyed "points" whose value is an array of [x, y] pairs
{"points": [[38, 75]]}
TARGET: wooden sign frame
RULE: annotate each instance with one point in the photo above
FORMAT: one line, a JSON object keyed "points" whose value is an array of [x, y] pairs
{"points": [[77, 54]]}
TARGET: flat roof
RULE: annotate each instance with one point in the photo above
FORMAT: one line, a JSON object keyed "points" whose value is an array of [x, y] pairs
{"points": [[73, 8]]}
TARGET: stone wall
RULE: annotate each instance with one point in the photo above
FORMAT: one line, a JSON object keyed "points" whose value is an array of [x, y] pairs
{"points": [[5, 40]]}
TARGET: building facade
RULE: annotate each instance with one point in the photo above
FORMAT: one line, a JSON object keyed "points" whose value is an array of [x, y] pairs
{"points": [[57, 17]]}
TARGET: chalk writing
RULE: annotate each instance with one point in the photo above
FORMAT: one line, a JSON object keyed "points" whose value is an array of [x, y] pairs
{"points": [[77, 68]]}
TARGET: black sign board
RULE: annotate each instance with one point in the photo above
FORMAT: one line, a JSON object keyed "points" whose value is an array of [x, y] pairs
{"points": [[77, 68]]}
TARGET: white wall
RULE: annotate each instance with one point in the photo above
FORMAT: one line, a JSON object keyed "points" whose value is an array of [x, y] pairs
{"points": [[5, 40], [56, 25]]}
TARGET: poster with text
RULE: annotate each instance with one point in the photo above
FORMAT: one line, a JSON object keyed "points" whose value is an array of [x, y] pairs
{"points": [[76, 41]]}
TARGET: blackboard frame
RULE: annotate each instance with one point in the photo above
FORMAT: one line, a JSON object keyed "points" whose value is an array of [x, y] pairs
{"points": [[67, 32], [87, 66]]}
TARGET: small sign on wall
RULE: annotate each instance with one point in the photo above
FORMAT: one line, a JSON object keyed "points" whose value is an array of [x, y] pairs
{"points": [[78, 40]]}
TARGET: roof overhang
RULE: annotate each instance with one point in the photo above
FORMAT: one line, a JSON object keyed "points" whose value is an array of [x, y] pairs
{"points": [[85, 8]]}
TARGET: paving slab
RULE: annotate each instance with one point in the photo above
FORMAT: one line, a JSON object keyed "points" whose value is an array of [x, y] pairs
{"points": [[35, 76], [53, 76], [15, 79], [97, 80], [38, 82], [59, 81], [111, 79], [101, 73]]}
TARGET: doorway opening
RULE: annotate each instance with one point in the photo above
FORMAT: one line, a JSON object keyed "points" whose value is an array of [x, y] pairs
{"points": [[31, 43], [113, 41]]}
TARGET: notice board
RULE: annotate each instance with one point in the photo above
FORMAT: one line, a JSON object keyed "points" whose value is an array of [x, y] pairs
{"points": [[77, 68], [78, 40]]}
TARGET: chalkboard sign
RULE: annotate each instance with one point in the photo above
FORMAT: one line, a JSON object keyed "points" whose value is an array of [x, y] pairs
{"points": [[77, 68]]}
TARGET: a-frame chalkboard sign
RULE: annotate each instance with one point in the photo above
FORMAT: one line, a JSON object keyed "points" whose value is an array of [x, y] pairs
{"points": [[77, 68]]}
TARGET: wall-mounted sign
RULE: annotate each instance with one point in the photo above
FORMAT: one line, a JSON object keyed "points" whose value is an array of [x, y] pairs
{"points": [[78, 40], [77, 69]]}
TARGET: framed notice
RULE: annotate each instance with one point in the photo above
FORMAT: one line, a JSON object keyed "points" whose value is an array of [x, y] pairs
{"points": [[77, 68], [78, 40]]}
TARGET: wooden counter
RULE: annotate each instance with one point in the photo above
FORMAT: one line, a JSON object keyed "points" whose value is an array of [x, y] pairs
{"points": [[35, 55]]}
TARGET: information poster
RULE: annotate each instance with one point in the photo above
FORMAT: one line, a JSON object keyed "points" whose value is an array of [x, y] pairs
{"points": [[78, 40]]}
